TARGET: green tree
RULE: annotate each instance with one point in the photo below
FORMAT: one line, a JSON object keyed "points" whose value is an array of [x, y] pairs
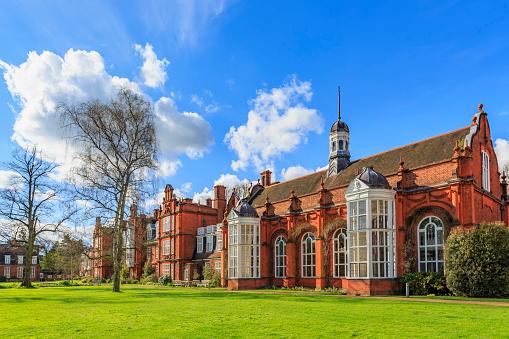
{"points": [[477, 261]]}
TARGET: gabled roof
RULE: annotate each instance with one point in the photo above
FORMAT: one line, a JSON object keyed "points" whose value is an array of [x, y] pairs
{"points": [[423, 153]]}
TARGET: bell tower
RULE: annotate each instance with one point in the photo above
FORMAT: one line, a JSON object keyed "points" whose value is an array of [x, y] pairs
{"points": [[339, 143]]}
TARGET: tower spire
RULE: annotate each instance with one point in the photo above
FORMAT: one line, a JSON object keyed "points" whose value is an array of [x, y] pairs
{"points": [[339, 102]]}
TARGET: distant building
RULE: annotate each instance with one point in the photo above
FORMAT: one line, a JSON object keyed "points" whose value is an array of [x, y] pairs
{"points": [[13, 257], [102, 251]]}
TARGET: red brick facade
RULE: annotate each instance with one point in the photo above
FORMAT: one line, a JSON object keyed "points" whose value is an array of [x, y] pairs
{"points": [[13, 259], [436, 185]]}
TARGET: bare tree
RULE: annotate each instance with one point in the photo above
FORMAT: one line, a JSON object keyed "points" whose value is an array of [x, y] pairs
{"points": [[34, 204], [116, 147]]}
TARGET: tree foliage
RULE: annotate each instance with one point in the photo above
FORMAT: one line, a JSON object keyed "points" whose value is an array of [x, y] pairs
{"points": [[477, 261]]}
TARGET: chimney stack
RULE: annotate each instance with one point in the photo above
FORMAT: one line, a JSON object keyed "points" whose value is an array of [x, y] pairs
{"points": [[266, 178], [220, 201], [209, 202]]}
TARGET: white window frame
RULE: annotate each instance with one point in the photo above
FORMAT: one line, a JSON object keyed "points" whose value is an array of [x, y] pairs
{"points": [[280, 257], [219, 240], [486, 182], [210, 243], [166, 269], [244, 248], [7, 259], [340, 251], [167, 224], [7, 272], [32, 274], [34, 260], [20, 260], [308, 255], [365, 234], [199, 244], [437, 246], [217, 266]]}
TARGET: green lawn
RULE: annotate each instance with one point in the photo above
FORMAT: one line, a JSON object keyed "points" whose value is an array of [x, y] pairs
{"points": [[152, 312]]}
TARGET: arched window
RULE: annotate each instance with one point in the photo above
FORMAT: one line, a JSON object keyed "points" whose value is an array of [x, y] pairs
{"points": [[280, 257], [485, 171], [333, 146], [308, 254], [340, 145], [430, 237], [340, 254]]}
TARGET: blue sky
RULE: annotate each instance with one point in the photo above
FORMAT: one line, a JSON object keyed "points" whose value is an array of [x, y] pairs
{"points": [[408, 71]]}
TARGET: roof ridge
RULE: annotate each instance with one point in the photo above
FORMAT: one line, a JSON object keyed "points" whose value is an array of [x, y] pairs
{"points": [[413, 143]]}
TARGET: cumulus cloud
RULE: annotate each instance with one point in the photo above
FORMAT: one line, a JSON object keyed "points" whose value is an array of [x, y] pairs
{"points": [[181, 132], [44, 80], [294, 172], [277, 123], [153, 70], [227, 180], [8, 179], [502, 151]]}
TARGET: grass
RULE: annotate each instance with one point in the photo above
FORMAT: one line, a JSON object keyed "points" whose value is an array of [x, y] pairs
{"points": [[155, 312]]}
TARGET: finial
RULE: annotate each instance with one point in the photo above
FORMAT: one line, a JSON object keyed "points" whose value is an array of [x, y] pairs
{"points": [[267, 199], [292, 194], [322, 184], [339, 102], [480, 107], [503, 177]]}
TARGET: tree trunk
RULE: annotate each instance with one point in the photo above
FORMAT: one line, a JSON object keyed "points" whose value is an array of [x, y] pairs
{"points": [[27, 283]]}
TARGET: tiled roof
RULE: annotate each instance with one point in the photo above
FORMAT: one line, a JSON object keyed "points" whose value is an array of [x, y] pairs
{"points": [[423, 153]]}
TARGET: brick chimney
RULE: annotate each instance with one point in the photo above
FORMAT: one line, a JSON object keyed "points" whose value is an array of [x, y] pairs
{"points": [[168, 193], [266, 178], [209, 202], [220, 201]]}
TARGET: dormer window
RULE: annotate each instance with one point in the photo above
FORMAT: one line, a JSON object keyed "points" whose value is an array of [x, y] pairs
{"points": [[485, 171]]}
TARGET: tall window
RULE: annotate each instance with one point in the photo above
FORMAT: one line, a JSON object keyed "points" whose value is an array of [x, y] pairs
{"points": [[233, 248], [340, 254], [199, 244], [340, 145], [166, 269], [280, 257], [308, 254], [19, 273], [7, 259], [219, 240], [358, 239], [210, 242], [7, 272], [333, 146], [382, 240], [485, 171], [167, 224], [34, 260], [32, 274], [166, 247], [431, 245], [20, 260]]}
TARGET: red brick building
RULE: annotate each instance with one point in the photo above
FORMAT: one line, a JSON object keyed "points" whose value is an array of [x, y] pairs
{"points": [[359, 225], [13, 258], [102, 247]]}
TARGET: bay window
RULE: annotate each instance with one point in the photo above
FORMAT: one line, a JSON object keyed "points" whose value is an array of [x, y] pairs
{"points": [[244, 248]]}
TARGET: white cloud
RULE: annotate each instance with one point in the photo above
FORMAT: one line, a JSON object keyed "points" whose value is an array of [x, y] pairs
{"points": [[181, 132], [294, 172], [201, 197], [227, 180], [153, 70], [502, 151], [277, 123], [44, 80], [168, 168], [8, 179]]}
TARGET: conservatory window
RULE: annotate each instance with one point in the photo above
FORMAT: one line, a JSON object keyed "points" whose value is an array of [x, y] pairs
{"points": [[358, 244], [244, 250], [431, 245], [280, 257], [308, 255], [382, 240], [340, 254], [485, 171]]}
